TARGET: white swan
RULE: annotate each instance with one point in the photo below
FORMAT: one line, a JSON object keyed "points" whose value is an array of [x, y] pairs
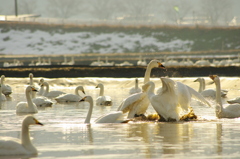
{"points": [[12, 146], [135, 89], [41, 90], [229, 110], [51, 94], [137, 104], [71, 97], [2, 96], [103, 100], [29, 106], [115, 117], [208, 92], [173, 99], [6, 89]]}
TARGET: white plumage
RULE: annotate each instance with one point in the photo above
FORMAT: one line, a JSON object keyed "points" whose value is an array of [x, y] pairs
{"points": [[103, 100], [173, 99], [228, 110], [6, 89], [71, 97], [12, 146], [114, 117], [135, 89], [29, 106], [51, 94]]}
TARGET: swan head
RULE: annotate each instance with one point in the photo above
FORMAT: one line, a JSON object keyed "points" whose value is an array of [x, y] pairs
{"points": [[2, 78], [81, 89], [41, 81], [199, 79], [87, 99], [30, 120], [31, 88], [213, 77], [156, 63], [44, 84], [100, 85]]}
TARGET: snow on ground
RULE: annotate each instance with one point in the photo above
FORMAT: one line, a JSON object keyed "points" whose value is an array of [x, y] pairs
{"points": [[44, 43]]}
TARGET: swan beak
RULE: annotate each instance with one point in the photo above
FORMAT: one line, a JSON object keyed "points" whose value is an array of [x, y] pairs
{"points": [[83, 99], [37, 122], [33, 89], [195, 80], [212, 76], [83, 91], [161, 65]]}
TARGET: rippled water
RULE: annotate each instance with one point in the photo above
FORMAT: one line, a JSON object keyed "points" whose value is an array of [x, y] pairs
{"points": [[64, 134]]}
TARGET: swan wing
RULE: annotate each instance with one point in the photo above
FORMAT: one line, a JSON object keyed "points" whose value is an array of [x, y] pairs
{"points": [[53, 94], [6, 89], [104, 100], [128, 103], [234, 100], [198, 96], [114, 117]]}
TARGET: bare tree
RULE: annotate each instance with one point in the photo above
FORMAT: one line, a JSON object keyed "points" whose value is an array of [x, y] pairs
{"points": [[217, 10], [175, 10], [27, 7], [103, 9], [63, 8]]}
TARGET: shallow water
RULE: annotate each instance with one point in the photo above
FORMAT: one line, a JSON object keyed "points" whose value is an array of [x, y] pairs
{"points": [[64, 134]]}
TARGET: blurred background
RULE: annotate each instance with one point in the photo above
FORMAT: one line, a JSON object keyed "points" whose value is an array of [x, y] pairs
{"points": [[86, 31]]}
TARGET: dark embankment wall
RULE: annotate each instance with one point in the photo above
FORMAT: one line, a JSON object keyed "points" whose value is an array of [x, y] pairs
{"points": [[117, 72]]}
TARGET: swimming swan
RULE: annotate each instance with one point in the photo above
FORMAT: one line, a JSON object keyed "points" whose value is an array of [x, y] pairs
{"points": [[135, 89], [12, 146], [51, 94], [29, 106], [229, 110], [41, 90], [71, 97], [115, 117], [102, 99], [137, 104], [2, 96], [208, 92], [173, 99], [6, 89]]}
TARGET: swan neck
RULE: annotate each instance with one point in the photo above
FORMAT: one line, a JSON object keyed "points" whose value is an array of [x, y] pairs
{"points": [[147, 73], [200, 86], [25, 138], [29, 99], [136, 84], [218, 93], [101, 91], [89, 114], [150, 90], [47, 88], [76, 92]]}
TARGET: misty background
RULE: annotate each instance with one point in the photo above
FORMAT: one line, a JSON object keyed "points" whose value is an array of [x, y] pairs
{"points": [[181, 12]]}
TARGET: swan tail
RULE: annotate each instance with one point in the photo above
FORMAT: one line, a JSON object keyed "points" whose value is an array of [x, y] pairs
{"points": [[198, 96]]}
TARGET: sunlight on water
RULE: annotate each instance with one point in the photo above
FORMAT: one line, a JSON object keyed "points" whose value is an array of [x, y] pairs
{"points": [[64, 134]]}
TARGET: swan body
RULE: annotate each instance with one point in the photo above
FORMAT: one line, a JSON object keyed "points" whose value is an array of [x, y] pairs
{"points": [[51, 94], [135, 89], [12, 146], [42, 102], [29, 106], [103, 100], [6, 89], [115, 117], [71, 97], [228, 110], [208, 92], [173, 99]]}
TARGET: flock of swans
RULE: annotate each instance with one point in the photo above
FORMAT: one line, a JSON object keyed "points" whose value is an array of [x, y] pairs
{"points": [[171, 102]]}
